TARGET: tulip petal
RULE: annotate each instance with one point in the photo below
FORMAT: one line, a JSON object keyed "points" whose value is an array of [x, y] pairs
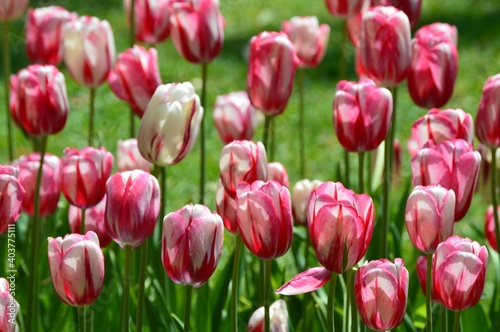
{"points": [[305, 282]]}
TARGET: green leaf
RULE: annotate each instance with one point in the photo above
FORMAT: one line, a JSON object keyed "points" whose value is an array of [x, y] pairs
{"points": [[474, 319], [220, 292]]}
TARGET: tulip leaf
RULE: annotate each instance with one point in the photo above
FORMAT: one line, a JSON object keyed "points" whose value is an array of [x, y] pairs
{"points": [[153, 315], [221, 290], [474, 319]]}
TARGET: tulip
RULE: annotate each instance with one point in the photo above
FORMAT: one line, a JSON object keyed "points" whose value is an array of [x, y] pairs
{"points": [[226, 208], [362, 114], [459, 272], [242, 161], [271, 71], [38, 100], [489, 227], [132, 207], [278, 314], [8, 308], [12, 9], [488, 113], [151, 20], [44, 43], [277, 172], [169, 126], [300, 198], [77, 268], [135, 77], [422, 274], [385, 45], [50, 188], [11, 196], [84, 175], [129, 158], [411, 8], [381, 293], [437, 28], [309, 39], [94, 221], [430, 215], [344, 8], [451, 164], [353, 24]]}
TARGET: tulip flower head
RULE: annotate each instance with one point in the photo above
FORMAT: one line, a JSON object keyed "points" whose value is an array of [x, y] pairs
{"points": [[300, 198], [94, 221], [344, 8], [277, 172], [8, 308], [488, 113], [489, 227], [278, 318], [128, 156], [226, 208], [12, 9], [11, 196], [152, 23], [411, 8]]}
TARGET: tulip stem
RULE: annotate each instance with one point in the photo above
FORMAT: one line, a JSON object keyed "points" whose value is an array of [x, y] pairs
{"points": [[91, 117], [126, 288], [495, 208], [235, 283], [331, 303], [267, 290], [369, 173], [132, 23], [267, 124], [82, 223], [6, 76], [343, 44], [361, 179], [142, 280], [302, 145], [187, 308], [82, 319], [350, 293], [204, 67], [456, 321], [347, 166], [428, 293]]}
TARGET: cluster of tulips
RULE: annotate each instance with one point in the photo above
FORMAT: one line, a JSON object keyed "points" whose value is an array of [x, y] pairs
{"points": [[253, 201]]}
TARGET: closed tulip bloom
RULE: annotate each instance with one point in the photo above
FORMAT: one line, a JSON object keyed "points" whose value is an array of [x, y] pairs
{"points": [[340, 225], [152, 24], [344, 8], [451, 164], [271, 70], [489, 227], [12, 9], [381, 293], [309, 39], [44, 42], [77, 268], [8, 308], [234, 116], [278, 315], [11, 196], [437, 28], [277, 172], [242, 161], [300, 199], [488, 113], [38, 100], [362, 114], [226, 208], [135, 77], [132, 207], [430, 215], [264, 214], [84, 175], [170, 125], [411, 8], [197, 29], [459, 272], [128, 156], [191, 244], [94, 221], [50, 187], [89, 50], [385, 45]]}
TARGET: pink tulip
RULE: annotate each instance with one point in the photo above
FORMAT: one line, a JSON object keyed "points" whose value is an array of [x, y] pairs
{"points": [[135, 77], [38, 100], [11, 196], [309, 39], [381, 293], [278, 318], [12, 9], [132, 207], [437, 28], [191, 244], [8, 307], [226, 208], [234, 116], [77, 268], [170, 125], [50, 188], [451, 164], [271, 70], [197, 29], [277, 172], [340, 225], [411, 8], [362, 114], [242, 161], [89, 50], [84, 175], [459, 272], [489, 227], [385, 45], [151, 17], [94, 221], [128, 156], [264, 216], [44, 43], [344, 8], [488, 113], [300, 199], [430, 215], [422, 276]]}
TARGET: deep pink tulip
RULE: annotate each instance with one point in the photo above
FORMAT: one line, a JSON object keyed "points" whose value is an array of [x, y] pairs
{"points": [[197, 29], [132, 207], [50, 187], [451, 164], [84, 175], [309, 39], [278, 315], [300, 199], [191, 244], [151, 17], [77, 268], [381, 293], [8, 307], [226, 208], [422, 276], [385, 45], [44, 43], [411, 8], [135, 77], [436, 28], [264, 214], [277, 172], [12, 9], [38, 100], [94, 221], [11, 196], [128, 156], [89, 50], [430, 215], [170, 125], [271, 70], [234, 116], [489, 227], [344, 8], [488, 113], [242, 161], [362, 114], [459, 272]]}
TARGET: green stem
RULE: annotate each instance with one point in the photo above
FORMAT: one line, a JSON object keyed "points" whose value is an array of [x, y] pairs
{"points": [[267, 123], [302, 144], [272, 141], [443, 317], [369, 173], [81, 319], [428, 294], [456, 321], [204, 67], [6, 74], [350, 293], [187, 308], [361, 162], [495, 211], [91, 117], [126, 288], [343, 62], [346, 168], [235, 283], [132, 23], [142, 280], [331, 303], [267, 291], [82, 222], [347, 302]]}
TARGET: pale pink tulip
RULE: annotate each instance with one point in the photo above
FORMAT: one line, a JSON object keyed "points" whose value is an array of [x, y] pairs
{"points": [[300, 199], [128, 156], [278, 318], [277, 172], [11, 196], [12, 9], [9, 307]]}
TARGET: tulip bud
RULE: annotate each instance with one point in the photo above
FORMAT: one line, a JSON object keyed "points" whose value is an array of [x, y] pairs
{"points": [[488, 113], [128, 156], [278, 318], [489, 227], [277, 172], [151, 23], [300, 198], [344, 8], [411, 8], [11, 196], [436, 28], [8, 308], [191, 244], [226, 208], [94, 221], [12, 9]]}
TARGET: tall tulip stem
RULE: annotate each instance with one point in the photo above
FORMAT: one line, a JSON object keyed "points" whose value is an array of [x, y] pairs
{"points": [[267, 290], [342, 76], [456, 321], [91, 117], [302, 144], [82, 222], [235, 283], [495, 207], [142, 279], [428, 293], [187, 308], [131, 43], [6, 76], [82, 319], [126, 289], [350, 294], [331, 303], [267, 125], [361, 178], [204, 68]]}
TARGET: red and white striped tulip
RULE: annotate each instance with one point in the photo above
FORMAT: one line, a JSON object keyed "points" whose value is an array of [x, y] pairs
{"points": [[226, 208], [300, 199], [151, 23], [277, 172], [422, 276], [344, 8], [9, 307], [411, 8], [128, 156], [278, 318], [12, 9], [488, 113], [436, 28], [11, 196], [94, 221], [489, 227]]}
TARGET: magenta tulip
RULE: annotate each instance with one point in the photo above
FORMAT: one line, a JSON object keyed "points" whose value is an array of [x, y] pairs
{"points": [[94, 221], [12, 9], [300, 199], [436, 28], [128, 156], [277, 172], [488, 113], [278, 318], [226, 208], [489, 227], [344, 8], [151, 20], [11, 196], [9, 307], [411, 8]]}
